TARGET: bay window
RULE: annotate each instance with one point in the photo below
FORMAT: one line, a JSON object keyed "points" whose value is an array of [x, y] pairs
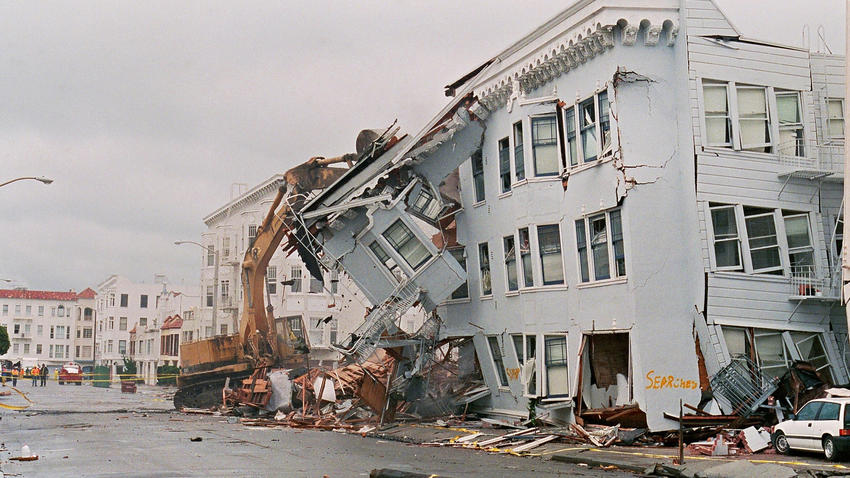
{"points": [[409, 247], [777, 242]]}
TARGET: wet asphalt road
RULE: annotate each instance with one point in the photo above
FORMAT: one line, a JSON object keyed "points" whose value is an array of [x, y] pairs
{"points": [[95, 432]]}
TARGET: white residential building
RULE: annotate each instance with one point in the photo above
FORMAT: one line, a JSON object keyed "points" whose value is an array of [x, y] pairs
{"points": [[49, 327], [123, 306]]}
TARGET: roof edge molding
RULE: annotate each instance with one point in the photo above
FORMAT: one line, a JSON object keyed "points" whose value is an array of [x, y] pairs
{"points": [[528, 70]]}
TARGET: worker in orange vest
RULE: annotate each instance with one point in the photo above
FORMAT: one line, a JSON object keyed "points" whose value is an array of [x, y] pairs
{"points": [[35, 372]]}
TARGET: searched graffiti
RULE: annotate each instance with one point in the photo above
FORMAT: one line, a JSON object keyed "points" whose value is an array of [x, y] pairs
{"points": [[513, 373], [659, 382]]}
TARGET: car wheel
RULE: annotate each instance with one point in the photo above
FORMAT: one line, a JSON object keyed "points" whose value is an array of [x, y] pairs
{"points": [[61, 383], [780, 442], [829, 450]]}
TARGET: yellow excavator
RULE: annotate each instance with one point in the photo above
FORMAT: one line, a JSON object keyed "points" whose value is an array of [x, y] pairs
{"points": [[207, 364]]}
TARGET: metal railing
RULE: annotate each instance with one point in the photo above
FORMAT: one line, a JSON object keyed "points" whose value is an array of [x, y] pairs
{"points": [[806, 283], [811, 155], [741, 386], [368, 334]]}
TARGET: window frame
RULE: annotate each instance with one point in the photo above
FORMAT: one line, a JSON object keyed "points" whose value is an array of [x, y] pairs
{"points": [[830, 118], [506, 255], [464, 262], [556, 142], [544, 366], [705, 115], [572, 120], [713, 237], [540, 254], [799, 148], [613, 269], [518, 146], [479, 191], [501, 373], [410, 236], [779, 216], [503, 151], [484, 264]]}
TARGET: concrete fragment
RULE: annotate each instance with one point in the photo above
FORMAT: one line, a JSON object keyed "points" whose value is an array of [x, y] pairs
{"points": [[281, 399], [746, 469], [753, 440]]}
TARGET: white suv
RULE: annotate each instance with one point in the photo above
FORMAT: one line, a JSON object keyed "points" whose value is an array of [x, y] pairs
{"points": [[822, 424]]}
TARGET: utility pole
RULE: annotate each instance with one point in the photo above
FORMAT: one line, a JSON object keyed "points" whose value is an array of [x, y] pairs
{"points": [[845, 260], [215, 278]]}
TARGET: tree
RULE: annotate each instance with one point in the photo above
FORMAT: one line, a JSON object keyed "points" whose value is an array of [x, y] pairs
{"points": [[4, 341]]}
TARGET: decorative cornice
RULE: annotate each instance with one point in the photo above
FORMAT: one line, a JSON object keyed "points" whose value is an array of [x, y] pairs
{"points": [[250, 197], [572, 48]]}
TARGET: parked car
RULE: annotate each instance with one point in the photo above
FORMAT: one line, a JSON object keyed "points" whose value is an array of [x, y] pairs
{"points": [[71, 372], [821, 425]]}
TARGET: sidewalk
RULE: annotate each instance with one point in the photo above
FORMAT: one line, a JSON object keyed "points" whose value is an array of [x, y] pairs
{"points": [[651, 461]]}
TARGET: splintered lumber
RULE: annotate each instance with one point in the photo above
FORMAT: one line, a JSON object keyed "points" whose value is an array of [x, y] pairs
{"points": [[697, 410], [583, 433], [498, 439], [468, 438], [534, 444]]}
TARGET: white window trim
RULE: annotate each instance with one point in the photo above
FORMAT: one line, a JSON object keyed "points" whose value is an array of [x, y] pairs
{"points": [[558, 148], [827, 135], [481, 294], [512, 145], [601, 156], [508, 291], [538, 262], [542, 379], [612, 261], [711, 238], [493, 361], [781, 239]]}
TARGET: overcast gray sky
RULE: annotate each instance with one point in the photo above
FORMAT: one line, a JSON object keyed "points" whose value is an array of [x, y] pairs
{"points": [[145, 113]]}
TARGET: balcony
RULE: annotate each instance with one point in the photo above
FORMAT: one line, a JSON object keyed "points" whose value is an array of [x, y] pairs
{"points": [[811, 160], [806, 285]]}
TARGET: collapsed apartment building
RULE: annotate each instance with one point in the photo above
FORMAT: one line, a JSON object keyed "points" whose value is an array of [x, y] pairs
{"points": [[610, 211]]}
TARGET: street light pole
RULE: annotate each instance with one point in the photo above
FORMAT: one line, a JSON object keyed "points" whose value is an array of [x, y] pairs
{"points": [[215, 279], [42, 179]]}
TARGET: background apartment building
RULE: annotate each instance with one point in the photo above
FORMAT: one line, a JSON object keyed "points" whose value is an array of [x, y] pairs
{"points": [[124, 306], [48, 327]]}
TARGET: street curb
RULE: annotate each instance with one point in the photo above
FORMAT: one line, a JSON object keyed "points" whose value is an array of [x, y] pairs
{"points": [[586, 460]]}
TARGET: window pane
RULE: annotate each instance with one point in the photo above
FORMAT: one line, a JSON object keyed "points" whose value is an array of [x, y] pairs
{"points": [[407, 245], [496, 354], [764, 249], [788, 108], [519, 159], [549, 242], [797, 231], [587, 120], [556, 365], [715, 99], [752, 112], [525, 257], [462, 292], [545, 145], [604, 121], [726, 247], [505, 164], [518, 348], [581, 243], [510, 262], [829, 411], [809, 411], [599, 247], [617, 244], [572, 144], [478, 175], [484, 267]]}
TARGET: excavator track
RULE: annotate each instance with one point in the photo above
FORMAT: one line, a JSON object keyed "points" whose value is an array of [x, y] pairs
{"points": [[205, 393]]}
